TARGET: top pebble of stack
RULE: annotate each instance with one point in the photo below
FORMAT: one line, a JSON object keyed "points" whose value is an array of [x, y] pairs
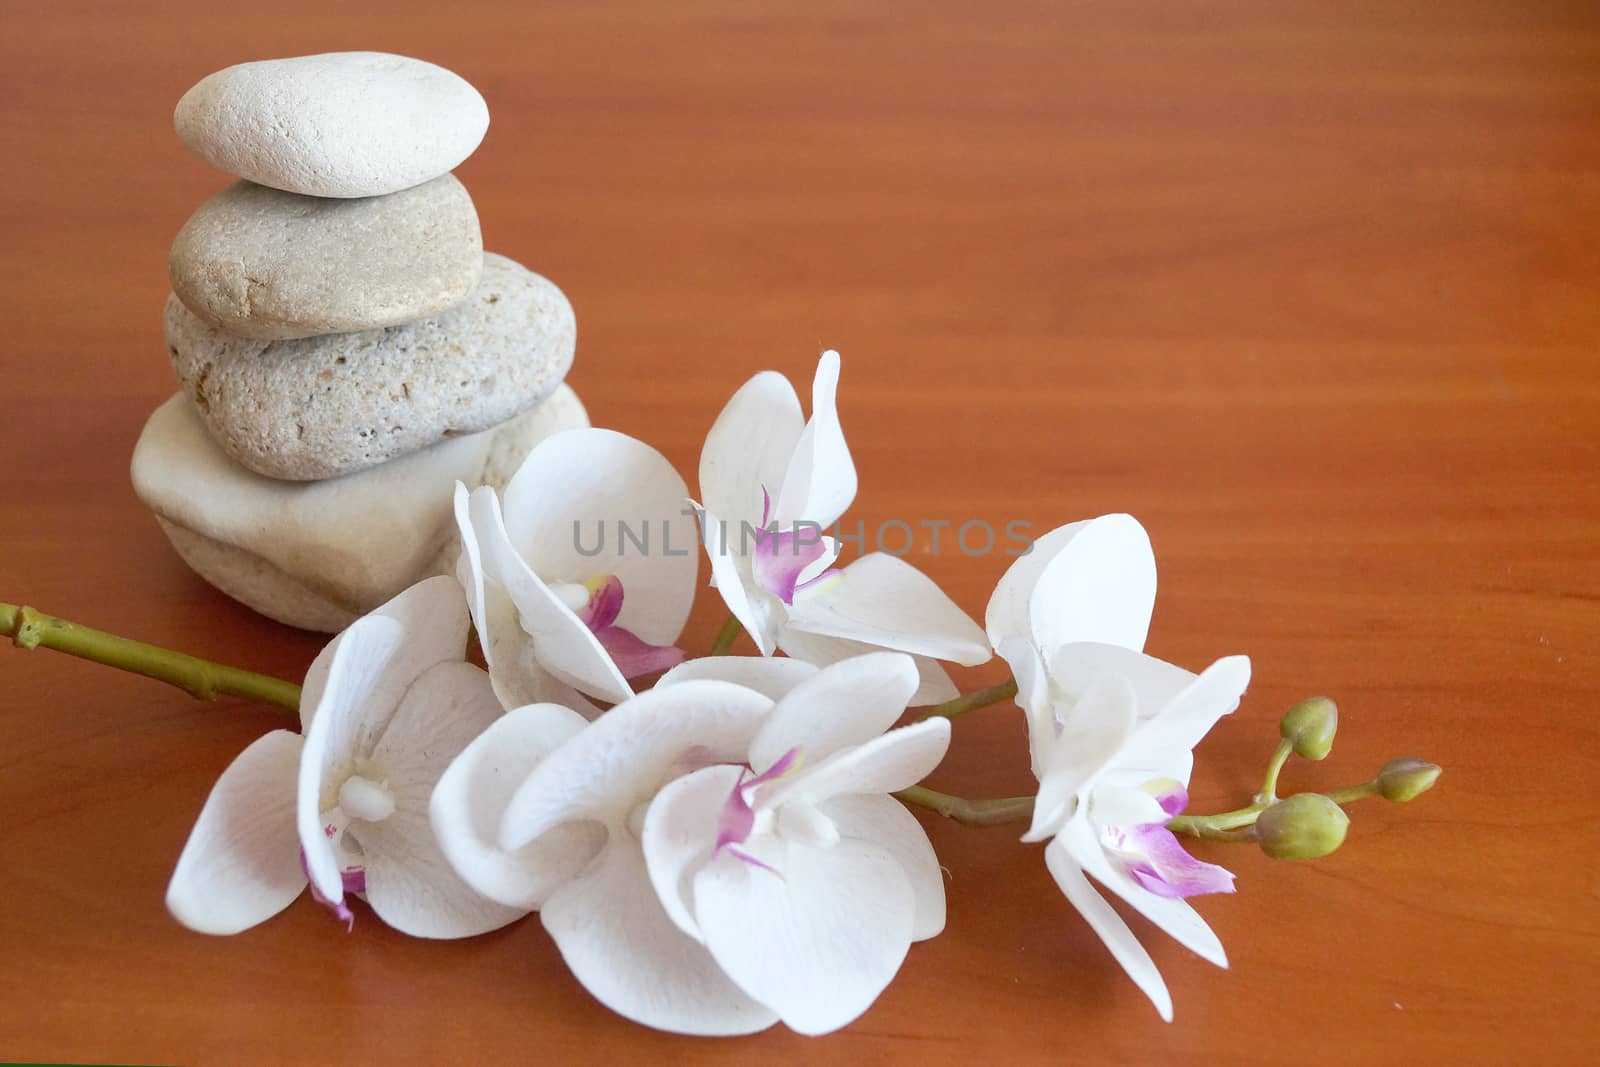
{"points": [[342, 124]]}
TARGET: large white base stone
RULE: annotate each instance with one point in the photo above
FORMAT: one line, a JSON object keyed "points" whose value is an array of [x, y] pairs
{"points": [[318, 555]]}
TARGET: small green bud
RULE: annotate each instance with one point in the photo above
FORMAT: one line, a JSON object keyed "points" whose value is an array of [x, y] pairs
{"points": [[1302, 827], [1309, 726], [1406, 779]]}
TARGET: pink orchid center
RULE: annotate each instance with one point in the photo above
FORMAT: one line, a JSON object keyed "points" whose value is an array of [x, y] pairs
{"points": [[360, 799], [598, 603], [1153, 857], [782, 556], [737, 819]]}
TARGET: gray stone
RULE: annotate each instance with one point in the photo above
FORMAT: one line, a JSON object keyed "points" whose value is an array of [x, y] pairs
{"points": [[318, 407], [320, 554], [336, 124], [259, 262]]}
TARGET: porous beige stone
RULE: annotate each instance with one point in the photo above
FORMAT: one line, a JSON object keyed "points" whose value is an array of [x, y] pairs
{"points": [[319, 407]]}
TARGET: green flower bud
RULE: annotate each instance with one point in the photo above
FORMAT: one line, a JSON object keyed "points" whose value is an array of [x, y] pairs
{"points": [[1302, 827], [1309, 726], [1406, 779]]}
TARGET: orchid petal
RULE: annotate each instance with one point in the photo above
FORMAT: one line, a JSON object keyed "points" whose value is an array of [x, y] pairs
{"points": [[435, 621], [885, 823], [772, 677], [679, 835], [409, 880], [619, 943], [472, 796], [757, 618], [1101, 587], [1092, 580], [590, 485], [1158, 862], [629, 752], [1109, 926], [820, 481], [412, 886], [635, 657], [749, 447], [557, 638], [518, 677], [1175, 917], [819, 943], [353, 708], [895, 760], [1006, 614], [839, 707], [1033, 697], [515, 671], [1086, 742], [1190, 715], [241, 864], [933, 684], [885, 602], [1075, 665]]}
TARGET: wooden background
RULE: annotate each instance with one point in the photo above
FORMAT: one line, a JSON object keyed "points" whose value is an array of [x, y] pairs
{"points": [[1310, 288]]}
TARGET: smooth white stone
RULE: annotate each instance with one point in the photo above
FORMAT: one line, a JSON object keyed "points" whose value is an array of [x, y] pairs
{"points": [[339, 124]]}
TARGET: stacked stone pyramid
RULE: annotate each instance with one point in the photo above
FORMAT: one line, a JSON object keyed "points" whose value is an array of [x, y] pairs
{"points": [[345, 348]]}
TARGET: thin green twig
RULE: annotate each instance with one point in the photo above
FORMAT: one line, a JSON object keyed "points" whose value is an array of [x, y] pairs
{"points": [[992, 812], [979, 698], [28, 629], [726, 636]]}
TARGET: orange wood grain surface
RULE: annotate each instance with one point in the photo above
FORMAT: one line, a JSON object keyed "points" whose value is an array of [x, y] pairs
{"points": [[1312, 289]]}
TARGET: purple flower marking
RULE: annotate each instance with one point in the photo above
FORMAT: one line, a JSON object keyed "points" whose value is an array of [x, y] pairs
{"points": [[633, 655], [781, 557], [354, 880], [1154, 858], [738, 818]]}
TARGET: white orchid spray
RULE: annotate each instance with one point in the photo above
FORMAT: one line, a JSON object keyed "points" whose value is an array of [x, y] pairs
{"points": [[731, 848], [344, 804], [771, 482], [557, 618]]}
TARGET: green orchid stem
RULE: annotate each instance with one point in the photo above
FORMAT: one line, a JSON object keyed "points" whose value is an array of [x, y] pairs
{"points": [[980, 698], [994, 812], [1225, 825], [28, 629], [1269, 784], [726, 636]]}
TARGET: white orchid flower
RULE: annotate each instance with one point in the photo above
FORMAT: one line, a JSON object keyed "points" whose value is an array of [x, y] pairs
{"points": [[804, 879], [771, 483], [1111, 733], [385, 707], [546, 812], [582, 574]]}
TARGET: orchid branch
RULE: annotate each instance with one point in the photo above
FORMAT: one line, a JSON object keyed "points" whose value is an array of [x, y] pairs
{"points": [[731, 629], [988, 812], [28, 629], [1269, 784], [980, 698]]}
